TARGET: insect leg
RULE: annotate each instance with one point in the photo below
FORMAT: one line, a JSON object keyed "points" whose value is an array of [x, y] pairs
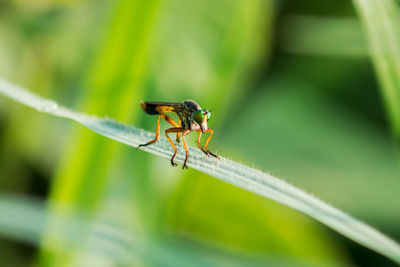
{"points": [[173, 123], [178, 135], [208, 140], [169, 120], [198, 143], [186, 149], [156, 137], [173, 130]]}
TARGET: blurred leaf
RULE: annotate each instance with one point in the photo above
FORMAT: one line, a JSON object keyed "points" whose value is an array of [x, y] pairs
{"points": [[25, 219], [114, 82], [298, 133], [381, 19], [133, 62], [237, 174], [323, 36], [211, 60], [233, 219]]}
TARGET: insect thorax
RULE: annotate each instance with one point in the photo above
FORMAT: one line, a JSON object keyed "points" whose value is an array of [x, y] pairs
{"points": [[185, 114]]}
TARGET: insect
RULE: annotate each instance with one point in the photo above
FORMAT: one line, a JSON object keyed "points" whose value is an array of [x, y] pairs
{"points": [[192, 118]]}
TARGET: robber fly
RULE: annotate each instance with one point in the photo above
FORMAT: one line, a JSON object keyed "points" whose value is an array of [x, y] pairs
{"points": [[191, 118]]}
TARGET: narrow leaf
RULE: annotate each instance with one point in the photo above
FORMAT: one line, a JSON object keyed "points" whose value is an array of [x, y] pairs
{"points": [[26, 220], [382, 23], [227, 170]]}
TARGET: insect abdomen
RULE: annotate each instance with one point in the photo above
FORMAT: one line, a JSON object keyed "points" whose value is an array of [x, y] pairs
{"points": [[156, 108], [149, 108]]}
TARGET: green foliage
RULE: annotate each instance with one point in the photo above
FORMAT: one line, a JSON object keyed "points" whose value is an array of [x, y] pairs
{"points": [[111, 243], [234, 173], [381, 22], [292, 91]]}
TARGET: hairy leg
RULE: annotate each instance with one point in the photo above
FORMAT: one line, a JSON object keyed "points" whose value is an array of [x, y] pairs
{"points": [[173, 130], [206, 144], [156, 137]]}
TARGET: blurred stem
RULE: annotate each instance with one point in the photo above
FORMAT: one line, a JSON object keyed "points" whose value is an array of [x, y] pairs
{"points": [[381, 21], [114, 85]]}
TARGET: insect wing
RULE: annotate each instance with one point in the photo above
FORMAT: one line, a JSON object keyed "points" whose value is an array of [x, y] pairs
{"points": [[154, 108]]}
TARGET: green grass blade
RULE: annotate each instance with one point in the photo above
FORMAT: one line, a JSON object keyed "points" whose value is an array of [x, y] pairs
{"points": [[26, 220], [381, 21], [227, 170]]}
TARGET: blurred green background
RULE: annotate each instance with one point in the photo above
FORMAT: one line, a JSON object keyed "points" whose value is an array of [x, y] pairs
{"points": [[294, 92]]}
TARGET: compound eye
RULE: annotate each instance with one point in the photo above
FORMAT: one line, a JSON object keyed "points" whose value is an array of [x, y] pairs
{"points": [[198, 116], [208, 113]]}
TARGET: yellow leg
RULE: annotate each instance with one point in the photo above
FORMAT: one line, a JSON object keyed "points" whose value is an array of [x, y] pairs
{"points": [[169, 120], [198, 143], [174, 130], [186, 149], [178, 135], [208, 140], [157, 135]]}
